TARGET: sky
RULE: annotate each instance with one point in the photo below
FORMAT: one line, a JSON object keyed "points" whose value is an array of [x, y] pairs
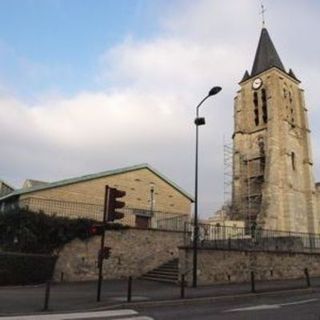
{"points": [[94, 85]]}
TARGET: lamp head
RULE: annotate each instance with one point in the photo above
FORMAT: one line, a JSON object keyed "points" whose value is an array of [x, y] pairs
{"points": [[214, 91]]}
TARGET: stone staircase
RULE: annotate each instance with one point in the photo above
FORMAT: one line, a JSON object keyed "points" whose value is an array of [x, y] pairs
{"points": [[167, 272]]}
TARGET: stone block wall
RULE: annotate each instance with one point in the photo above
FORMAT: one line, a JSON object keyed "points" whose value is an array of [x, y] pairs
{"points": [[133, 253], [136, 184], [224, 266]]}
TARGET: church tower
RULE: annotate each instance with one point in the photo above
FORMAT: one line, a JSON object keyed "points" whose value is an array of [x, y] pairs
{"points": [[273, 184]]}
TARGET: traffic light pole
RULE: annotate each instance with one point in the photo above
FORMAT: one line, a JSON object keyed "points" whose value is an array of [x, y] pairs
{"points": [[100, 254]]}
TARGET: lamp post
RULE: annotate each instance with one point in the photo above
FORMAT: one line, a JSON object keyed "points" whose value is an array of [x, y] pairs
{"points": [[151, 197], [199, 121], [151, 204]]}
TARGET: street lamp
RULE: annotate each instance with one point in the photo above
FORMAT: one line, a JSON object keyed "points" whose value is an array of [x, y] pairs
{"points": [[151, 197], [198, 122]]}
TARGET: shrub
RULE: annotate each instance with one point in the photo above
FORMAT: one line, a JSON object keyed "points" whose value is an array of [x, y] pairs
{"points": [[32, 232]]}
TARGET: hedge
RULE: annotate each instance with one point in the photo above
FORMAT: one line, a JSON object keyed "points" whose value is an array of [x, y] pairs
{"points": [[35, 232]]}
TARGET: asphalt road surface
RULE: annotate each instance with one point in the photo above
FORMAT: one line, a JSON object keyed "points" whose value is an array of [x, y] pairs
{"points": [[289, 305], [124, 314], [293, 306]]}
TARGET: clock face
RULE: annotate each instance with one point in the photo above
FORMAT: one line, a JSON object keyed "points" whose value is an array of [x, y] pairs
{"points": [[256, 84]]}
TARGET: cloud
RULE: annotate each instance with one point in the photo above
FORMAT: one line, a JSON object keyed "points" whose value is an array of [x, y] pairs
{"points": [[145, 111]]}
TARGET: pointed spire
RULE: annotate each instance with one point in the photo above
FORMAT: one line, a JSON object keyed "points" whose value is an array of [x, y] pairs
{"points": [[245, 77], [266, 55]]}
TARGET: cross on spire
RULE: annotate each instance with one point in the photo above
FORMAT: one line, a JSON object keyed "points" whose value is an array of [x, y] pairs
{"points": [[263, 10]]}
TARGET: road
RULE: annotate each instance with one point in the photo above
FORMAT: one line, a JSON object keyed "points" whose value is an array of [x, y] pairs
{"points": [[281, 306], [67, 300], [290, 306], [124, 314]]}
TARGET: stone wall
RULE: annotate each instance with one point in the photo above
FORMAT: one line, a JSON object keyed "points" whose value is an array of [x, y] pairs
{"points": [[133, 253], [224, 266]]}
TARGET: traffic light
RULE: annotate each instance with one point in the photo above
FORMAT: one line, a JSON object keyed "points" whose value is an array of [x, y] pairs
{"points": [[96, 230], [103, 254], [114, 204], [106, 252]]}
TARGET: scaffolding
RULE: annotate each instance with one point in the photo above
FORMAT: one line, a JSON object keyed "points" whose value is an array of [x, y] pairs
{"points": [[227, 171], [255, 167]]}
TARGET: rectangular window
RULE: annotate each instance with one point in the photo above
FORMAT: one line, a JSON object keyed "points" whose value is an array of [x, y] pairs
{"points": [[293, 161]]}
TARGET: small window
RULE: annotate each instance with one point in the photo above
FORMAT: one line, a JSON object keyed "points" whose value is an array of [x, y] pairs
{"points": [[256, 116], [263, 95], [265, 114], [293, 161], [255, 99]]}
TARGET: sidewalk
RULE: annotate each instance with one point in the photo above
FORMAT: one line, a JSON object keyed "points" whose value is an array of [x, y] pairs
{"points": [[82, 295]]}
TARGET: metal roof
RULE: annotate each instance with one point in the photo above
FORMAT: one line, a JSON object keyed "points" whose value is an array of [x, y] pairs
{"points": [[96, 176], [7, 184]]}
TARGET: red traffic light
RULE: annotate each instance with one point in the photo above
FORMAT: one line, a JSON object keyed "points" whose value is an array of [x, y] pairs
{"points": [[96, 230], [114, 204]]}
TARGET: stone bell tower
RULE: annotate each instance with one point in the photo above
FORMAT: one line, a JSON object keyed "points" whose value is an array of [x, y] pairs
{"points": [[273, 185]]}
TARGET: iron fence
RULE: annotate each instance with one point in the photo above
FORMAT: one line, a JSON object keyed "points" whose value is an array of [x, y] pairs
{"points": [[135, 217], [237, 238]]}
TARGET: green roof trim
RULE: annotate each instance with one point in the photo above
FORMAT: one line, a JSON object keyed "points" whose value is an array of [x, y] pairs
{"points": [[96, 176]]}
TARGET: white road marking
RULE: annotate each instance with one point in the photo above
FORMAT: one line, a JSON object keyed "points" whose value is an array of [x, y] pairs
{"points": [[78, 315], [270, 306], [136, 318], [252, 308], [298, 302]]}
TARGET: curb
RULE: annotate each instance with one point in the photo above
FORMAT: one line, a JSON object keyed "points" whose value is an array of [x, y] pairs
{"points": [[150, 304]]}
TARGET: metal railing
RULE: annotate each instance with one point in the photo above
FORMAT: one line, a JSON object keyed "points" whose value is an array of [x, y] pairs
{"points": [[135, 217], [236, 238]]}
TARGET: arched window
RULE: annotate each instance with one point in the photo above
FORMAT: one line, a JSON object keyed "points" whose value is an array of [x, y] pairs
{"points": [[255, 99], [256, 116], [256, 108], [264, 106]]}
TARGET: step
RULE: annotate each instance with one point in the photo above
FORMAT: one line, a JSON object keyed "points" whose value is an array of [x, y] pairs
{"points": [[167, 269], [168, 272], [159, 271], [159, 279], [162, 276]]}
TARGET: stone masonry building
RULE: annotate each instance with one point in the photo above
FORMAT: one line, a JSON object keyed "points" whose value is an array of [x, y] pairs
{"points": [[273, 184], [150, 196]]}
